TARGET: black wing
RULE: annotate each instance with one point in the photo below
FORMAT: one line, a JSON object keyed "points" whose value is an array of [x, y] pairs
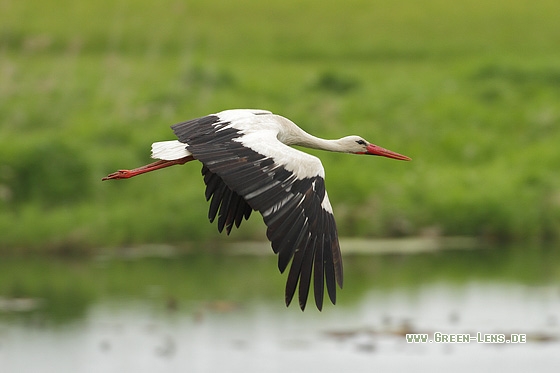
{"points": [[240, 179], [229, 206]]}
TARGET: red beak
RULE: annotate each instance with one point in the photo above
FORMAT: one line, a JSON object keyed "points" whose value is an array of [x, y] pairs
{"points": [[378, 150]]}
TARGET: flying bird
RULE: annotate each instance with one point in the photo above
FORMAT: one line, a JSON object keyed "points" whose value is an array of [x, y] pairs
{"points": [[248, 164]]}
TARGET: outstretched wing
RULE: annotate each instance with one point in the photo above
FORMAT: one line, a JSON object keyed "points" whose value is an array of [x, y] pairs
{"points": [[285, 185]]}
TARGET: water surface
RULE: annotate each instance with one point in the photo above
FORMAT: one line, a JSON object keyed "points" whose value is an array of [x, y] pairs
{"points": [[221, 313]]}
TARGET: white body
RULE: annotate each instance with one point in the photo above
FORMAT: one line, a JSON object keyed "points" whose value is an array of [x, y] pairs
{"points": [[267, 134]]}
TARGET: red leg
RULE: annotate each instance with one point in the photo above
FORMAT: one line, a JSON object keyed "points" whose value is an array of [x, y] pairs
{"points": [[125, 174]]}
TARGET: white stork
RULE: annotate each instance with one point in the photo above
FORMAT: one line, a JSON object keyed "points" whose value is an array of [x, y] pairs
{"points": [[248, 164]]}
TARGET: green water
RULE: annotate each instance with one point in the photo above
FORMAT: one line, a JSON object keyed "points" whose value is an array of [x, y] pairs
{"points": [[67, 288], [204, 313]]}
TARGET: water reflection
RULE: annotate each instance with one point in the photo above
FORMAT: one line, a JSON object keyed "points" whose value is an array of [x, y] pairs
{"points": [[225, 313]]}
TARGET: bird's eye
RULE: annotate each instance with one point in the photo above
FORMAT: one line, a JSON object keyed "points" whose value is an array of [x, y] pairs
{"points": [[361, 142]]}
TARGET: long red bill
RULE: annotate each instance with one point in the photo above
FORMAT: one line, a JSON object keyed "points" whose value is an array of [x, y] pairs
{"points": [[378, 150]]}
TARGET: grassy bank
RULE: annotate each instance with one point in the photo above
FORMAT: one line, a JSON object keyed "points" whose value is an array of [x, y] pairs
{"points": [[470, 91]]}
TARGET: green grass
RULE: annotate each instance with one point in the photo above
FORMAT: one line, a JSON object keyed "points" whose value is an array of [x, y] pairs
{"points": [[469, 90]]}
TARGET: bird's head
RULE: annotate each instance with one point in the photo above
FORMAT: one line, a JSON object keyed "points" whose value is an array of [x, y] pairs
{"points": [[357, 145]]}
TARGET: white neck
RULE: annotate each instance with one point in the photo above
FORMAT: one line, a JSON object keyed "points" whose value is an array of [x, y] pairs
{"points": [[293, 135], [313, 142]]}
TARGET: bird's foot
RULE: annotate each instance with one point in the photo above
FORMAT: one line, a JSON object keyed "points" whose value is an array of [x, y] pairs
{"points": [[120, 174]]}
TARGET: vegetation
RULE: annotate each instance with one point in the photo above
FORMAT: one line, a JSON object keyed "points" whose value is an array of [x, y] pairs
{"points": [[469, 90]]}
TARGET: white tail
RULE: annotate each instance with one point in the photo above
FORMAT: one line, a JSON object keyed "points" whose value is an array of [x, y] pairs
{"points": [[169, 150]]}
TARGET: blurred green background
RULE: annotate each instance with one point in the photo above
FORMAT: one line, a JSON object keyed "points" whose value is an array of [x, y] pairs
{"points": [[469, 90]]}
